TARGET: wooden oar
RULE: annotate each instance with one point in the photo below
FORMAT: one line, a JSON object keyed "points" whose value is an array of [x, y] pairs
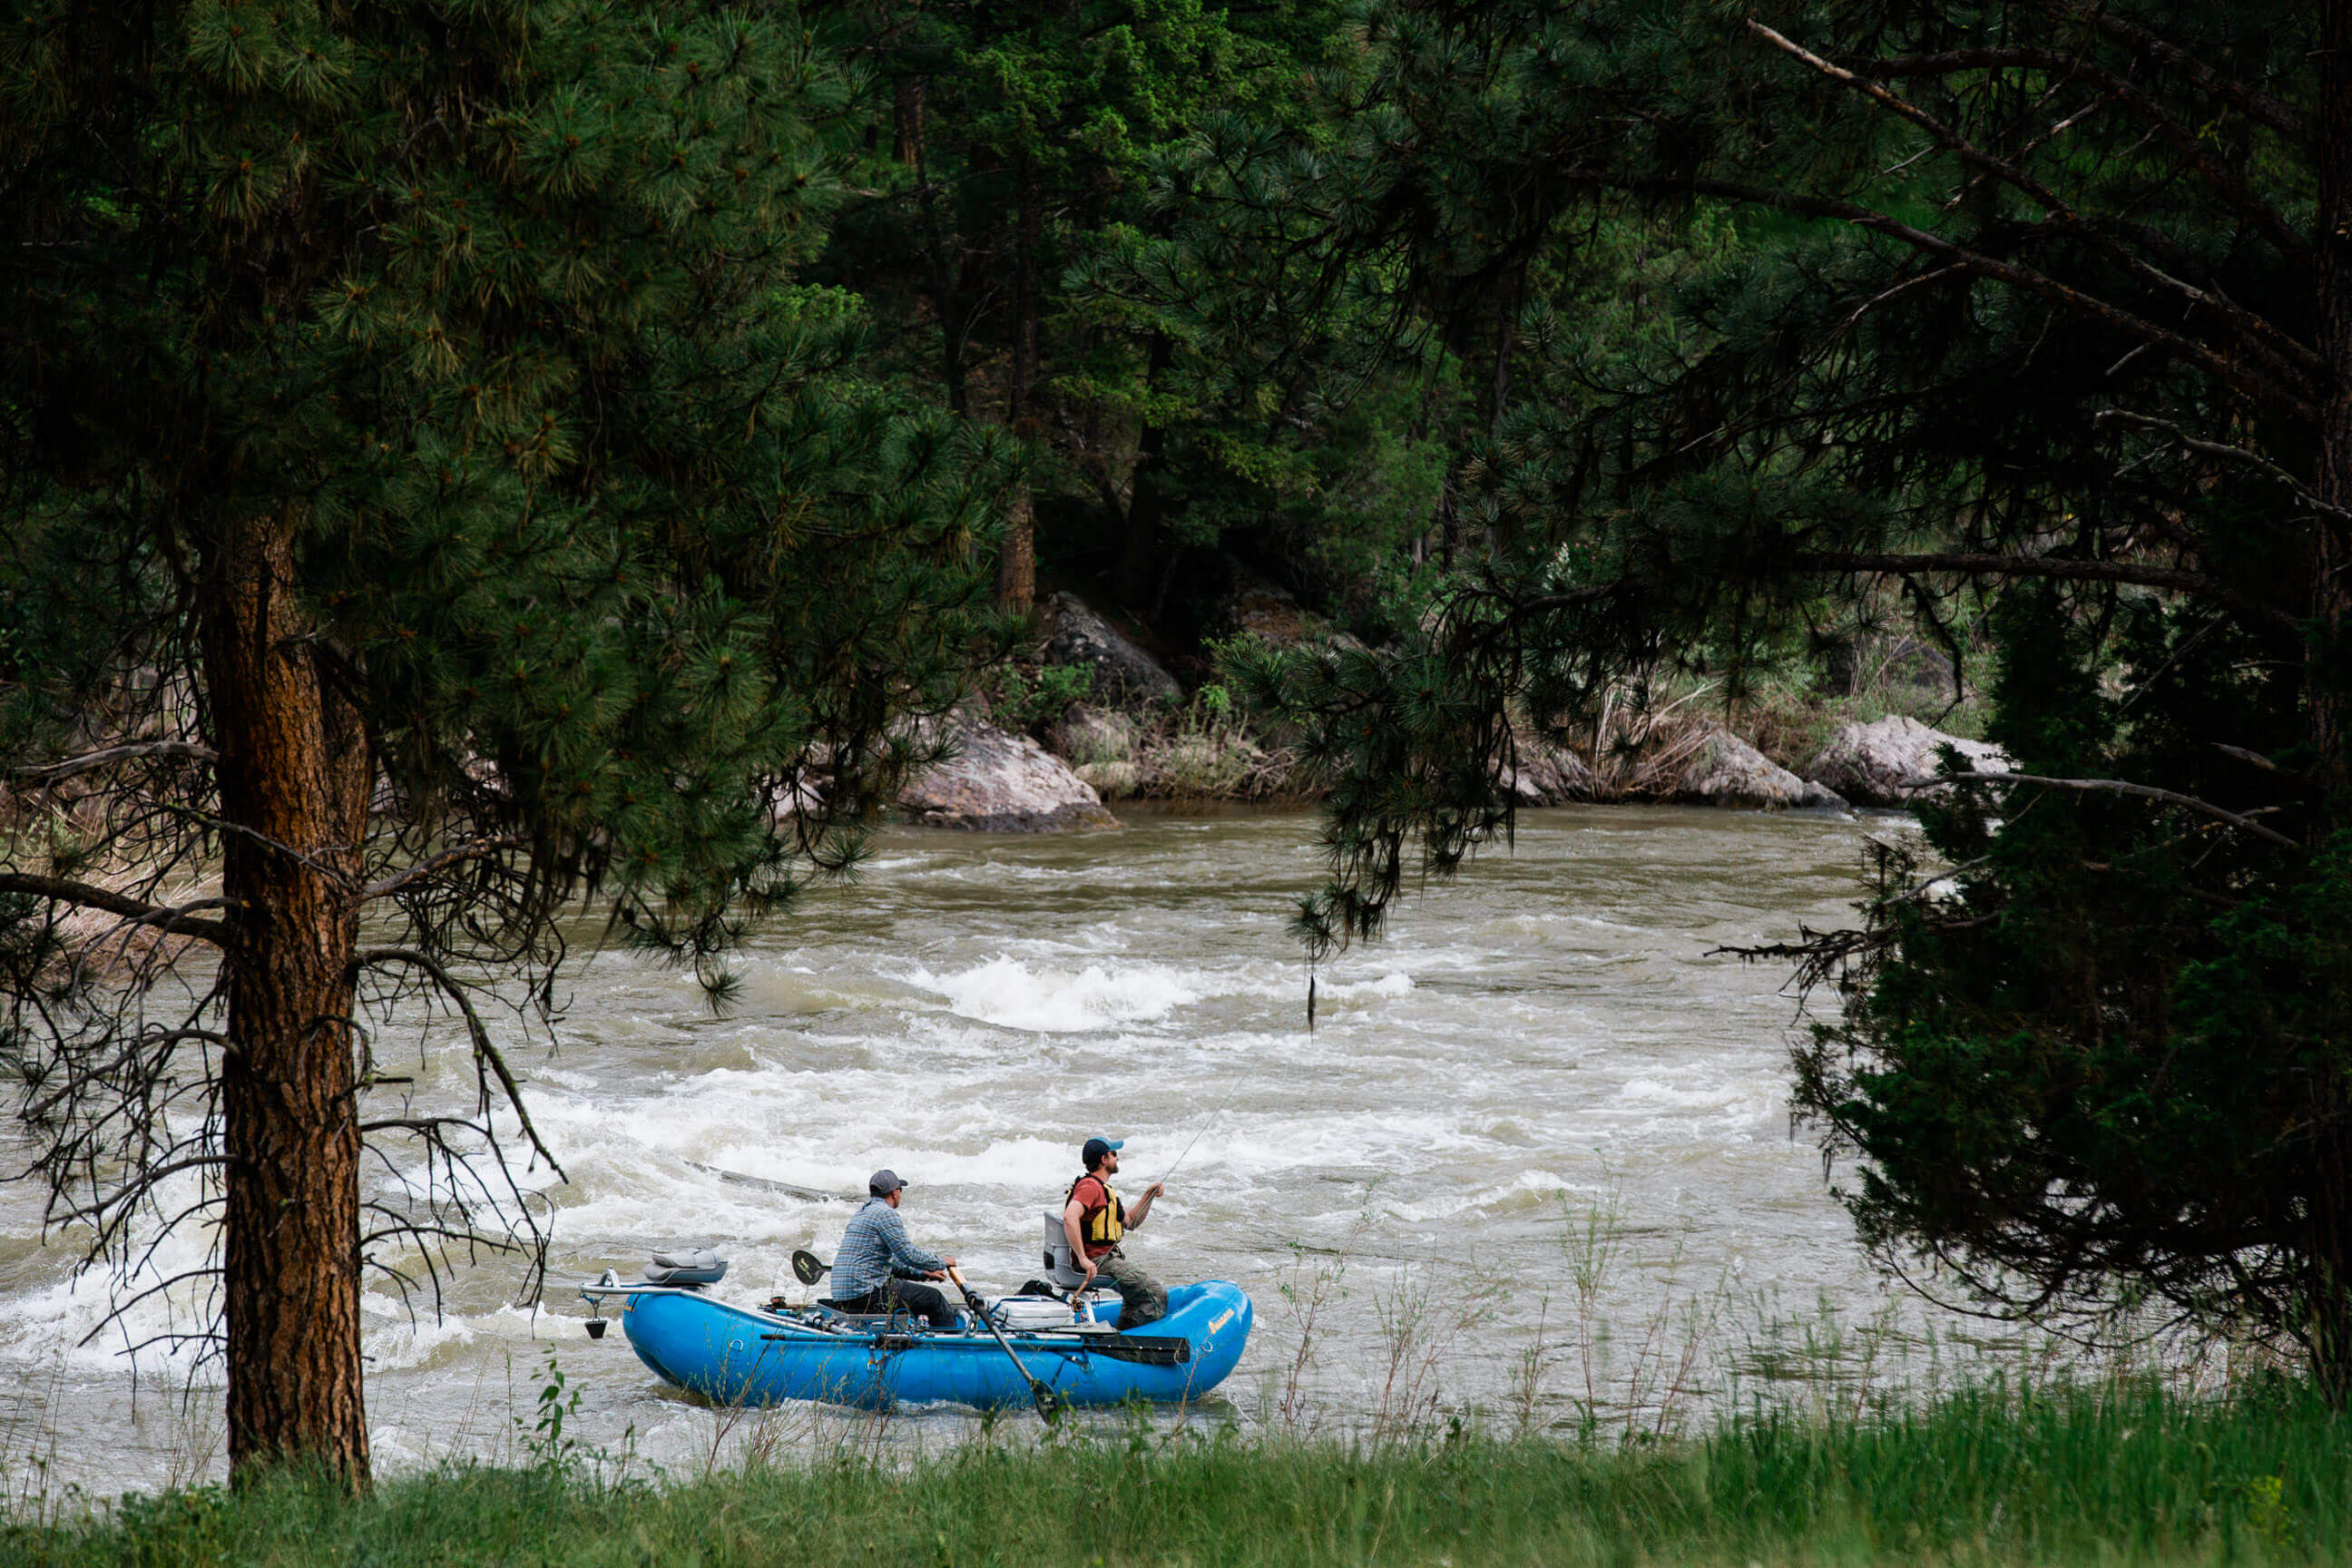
{"points": [[1042, 1396]]}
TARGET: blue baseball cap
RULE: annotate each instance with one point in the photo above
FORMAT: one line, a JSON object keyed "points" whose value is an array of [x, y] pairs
{"points": [[1098, 1147]]}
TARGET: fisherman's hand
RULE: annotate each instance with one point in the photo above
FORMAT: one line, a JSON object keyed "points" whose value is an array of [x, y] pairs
{"points": [[1088, 1264], [1154, 1190], [936, 1274]]}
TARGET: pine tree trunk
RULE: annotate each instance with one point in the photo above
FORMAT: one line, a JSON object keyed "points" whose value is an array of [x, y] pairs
{"points": [[1016, 559], [295, 774], [1016, 578], [1138, 575], [2328, 1312], [2331, 606]]}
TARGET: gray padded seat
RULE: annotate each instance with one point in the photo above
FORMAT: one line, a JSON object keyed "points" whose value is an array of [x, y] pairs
{"points": [[1058, 1267], [690, 1266]]}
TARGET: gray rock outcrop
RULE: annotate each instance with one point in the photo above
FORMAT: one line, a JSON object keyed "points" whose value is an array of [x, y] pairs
{"points": [[1123, 671], [1727, 770], [1000, 783], [1894, 761], [1547, 775]]}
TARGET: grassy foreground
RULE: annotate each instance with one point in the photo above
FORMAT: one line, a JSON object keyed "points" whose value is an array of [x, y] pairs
{"points": [[2133, 1475]]}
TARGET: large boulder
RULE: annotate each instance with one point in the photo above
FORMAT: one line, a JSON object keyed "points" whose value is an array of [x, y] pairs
{"points": [[1727, 770], [1547, 775], [1000, 783], [1894, 762], [1123, 671]]}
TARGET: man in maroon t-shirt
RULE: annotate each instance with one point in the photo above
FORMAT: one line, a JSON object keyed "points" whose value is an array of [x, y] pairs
{"points": [[1094, 1219]]}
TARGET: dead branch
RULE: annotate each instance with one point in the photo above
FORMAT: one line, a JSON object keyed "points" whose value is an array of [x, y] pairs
{"points": [[486, 1053], [2053, 567], [2235, 454], [186, 750], [172, 919], [447, 858]]}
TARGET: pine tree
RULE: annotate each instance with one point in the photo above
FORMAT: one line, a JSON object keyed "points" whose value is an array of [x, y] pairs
{"points": [[434, 500], [2034, 310], [1026, 137]]}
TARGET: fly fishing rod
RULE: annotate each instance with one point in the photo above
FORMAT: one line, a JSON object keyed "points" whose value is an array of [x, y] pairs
{"points": [[1244, 1077]]}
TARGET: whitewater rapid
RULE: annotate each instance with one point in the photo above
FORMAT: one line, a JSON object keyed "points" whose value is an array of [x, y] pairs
{"points": [[1546, 1037]]}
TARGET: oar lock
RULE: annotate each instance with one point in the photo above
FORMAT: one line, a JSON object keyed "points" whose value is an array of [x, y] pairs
{"points": [[687, 1268]]}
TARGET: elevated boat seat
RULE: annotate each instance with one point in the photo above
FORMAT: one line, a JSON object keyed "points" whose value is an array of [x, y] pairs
{"points": [[1059, 1269]]}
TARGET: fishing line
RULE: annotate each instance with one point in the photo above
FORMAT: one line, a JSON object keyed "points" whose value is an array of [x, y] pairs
{"points": [[1238, 1082]]}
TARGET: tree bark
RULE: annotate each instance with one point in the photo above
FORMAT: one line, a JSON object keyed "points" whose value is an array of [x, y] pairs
{"points": [[1137, 576], [1507, 339], [1016, 559], [2327, 1327], [294, 775], [2332, 557], [1016, 578]]}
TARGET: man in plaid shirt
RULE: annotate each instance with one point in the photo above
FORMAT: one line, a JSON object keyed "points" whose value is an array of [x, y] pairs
{"points": [[874, 1268]]}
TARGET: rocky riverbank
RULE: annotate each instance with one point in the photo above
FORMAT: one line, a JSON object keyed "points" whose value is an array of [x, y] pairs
{"points": [[1093, 716]]}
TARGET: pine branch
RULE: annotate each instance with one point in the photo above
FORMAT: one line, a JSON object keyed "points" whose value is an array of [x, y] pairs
{"points": [[2055, 568], [2120, 786], [2182, 140], [2294, 356], [169, 919], [2239, 377]]}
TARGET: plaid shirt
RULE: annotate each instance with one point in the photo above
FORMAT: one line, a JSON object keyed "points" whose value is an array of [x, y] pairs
{"points": [[874, 1248]]}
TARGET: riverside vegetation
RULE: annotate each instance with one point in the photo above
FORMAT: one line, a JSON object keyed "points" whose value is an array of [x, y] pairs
{"points": [[2122, 1473], [1815, 1443]]}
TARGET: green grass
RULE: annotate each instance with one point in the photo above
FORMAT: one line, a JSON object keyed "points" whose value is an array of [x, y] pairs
{"points": [[2120, 1476]]}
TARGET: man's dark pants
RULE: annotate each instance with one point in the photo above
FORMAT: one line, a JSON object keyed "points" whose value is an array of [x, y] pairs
{"points": [[920, 1299]]}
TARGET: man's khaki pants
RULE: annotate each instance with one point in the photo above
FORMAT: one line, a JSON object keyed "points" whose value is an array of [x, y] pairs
{"points": [[1141, 1299]]}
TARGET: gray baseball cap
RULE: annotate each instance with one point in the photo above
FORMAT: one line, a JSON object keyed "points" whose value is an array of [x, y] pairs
{"points": [[882, 1184]]}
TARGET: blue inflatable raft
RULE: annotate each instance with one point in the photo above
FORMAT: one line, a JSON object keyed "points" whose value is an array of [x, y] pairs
{"points": [[737, 1355]]}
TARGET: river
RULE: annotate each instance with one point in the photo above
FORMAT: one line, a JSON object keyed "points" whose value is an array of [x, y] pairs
{"points": [[1539, 1068]]}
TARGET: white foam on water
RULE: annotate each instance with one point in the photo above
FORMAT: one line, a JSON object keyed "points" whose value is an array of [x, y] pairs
{"points": [[1007, 993], [1702, 1097]]}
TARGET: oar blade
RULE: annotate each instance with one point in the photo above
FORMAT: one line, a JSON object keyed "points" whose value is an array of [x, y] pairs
{"points": [[808, 1269]]}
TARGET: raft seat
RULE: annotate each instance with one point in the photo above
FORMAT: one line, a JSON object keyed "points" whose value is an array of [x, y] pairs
{"points": [[1059, 1269]]}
